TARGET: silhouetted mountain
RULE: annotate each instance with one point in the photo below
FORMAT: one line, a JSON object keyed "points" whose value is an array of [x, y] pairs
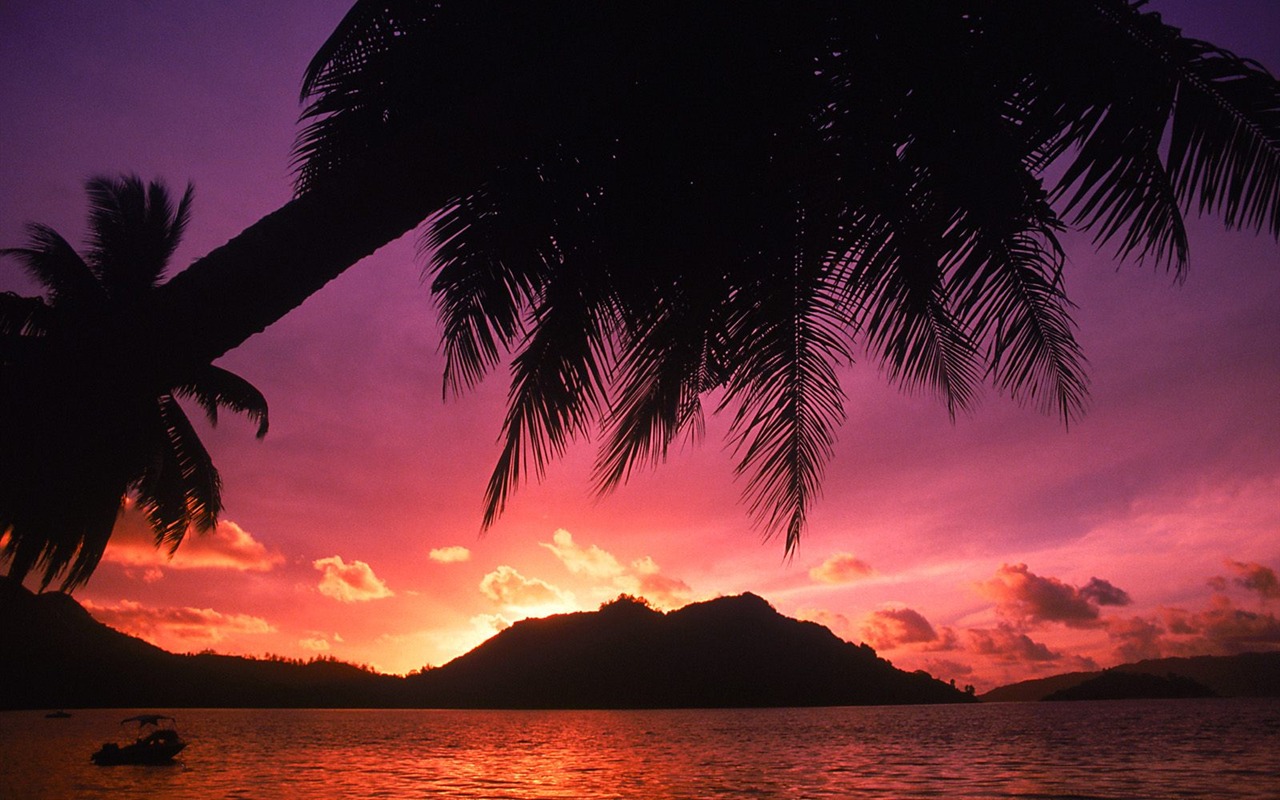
{"points": [[735, 651], [1117, 685], [1243, 675], [53, 654], [729, 652]]}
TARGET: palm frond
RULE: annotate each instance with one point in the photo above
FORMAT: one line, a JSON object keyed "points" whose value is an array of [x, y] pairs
{"points": [[664, 369], [180, 489], [23, 316], [789, 400], [134, 229], [212, 387], [1224, 145], [55, 264], [557, 386], [489, 259]]}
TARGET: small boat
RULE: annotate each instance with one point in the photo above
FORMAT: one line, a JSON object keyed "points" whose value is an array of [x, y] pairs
{"points": [[57, 715], [157, 743]]}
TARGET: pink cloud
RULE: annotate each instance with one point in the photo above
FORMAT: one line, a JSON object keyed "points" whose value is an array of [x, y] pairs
{"points": [[193, 625], [508, 587], [227, 546], [661, 591], [840, 568], [888, 628], [945, 668], [1031, 599], [838, 624], [349, 583]]}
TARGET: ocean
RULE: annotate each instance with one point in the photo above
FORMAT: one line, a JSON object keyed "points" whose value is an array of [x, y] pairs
{"points": [[1222, 748]]}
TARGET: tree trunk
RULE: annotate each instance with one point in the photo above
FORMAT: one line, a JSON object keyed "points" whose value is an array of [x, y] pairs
{"points": [[270, 268]]}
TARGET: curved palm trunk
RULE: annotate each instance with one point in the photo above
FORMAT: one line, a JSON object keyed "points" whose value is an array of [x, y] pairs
{"points": [[270, 268]]}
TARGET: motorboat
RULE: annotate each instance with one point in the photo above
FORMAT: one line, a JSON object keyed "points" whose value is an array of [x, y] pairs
{"points": [[157, 743]]}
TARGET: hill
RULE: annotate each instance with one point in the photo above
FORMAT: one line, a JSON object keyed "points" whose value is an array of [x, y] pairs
{"points": [[1243, 675], [55, 655], [728, 652], [734, 651]]}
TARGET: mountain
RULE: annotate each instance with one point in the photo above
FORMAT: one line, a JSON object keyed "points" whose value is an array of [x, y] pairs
{"points": [[734, 651], [728, 652], [56, 655], [1243, 675]]}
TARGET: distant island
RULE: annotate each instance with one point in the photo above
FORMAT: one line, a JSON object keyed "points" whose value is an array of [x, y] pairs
{"points": [[729, 652], [1243, 675], [1118, 685]]}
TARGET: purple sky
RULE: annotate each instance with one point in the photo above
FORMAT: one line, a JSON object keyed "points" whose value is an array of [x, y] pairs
{"points": [[1167, 491]]}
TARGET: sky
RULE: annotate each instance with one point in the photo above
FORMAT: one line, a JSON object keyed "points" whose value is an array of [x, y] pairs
{"points": [[994, 548]]}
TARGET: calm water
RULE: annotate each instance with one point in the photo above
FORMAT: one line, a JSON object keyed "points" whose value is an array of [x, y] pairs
{"points": [[1141, 749]]}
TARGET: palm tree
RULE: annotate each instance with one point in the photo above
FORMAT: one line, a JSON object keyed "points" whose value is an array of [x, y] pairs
{"points": [[737, 197], [59, 512], [647, 205]]}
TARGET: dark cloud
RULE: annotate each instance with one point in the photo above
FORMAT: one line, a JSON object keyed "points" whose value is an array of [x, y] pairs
{"points": [[1029, 599], [1256, 578], [1007, 644], [1104, 593]]}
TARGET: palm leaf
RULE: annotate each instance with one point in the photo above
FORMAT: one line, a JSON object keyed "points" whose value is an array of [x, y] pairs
{"points": [[1224, 145], [212, 387], [133, 232], [55, 264], [788, 396]]}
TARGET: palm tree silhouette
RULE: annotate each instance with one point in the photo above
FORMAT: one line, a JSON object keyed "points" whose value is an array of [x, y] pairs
{"points": [[115, 427], [646, 205]]}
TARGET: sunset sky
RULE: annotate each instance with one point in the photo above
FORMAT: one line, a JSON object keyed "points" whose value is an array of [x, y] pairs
{"points": [[991, 549]]}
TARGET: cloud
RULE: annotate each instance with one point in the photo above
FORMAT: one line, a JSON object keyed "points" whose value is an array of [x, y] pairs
{"points": [[1007, 644], [888, 628], [317, 644], [1136, 638], [489, 624], [643, 579], [192, 625], [840, 568], [349, 583], [590, 561], [1103, 593], [662, 592], [838, 624], [1222, 627], [450, 555], [508, 587], [1029, 598], [946, 668], [227, 546], [1256, 578]]}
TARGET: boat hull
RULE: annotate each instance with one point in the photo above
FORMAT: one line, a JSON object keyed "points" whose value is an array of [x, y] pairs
{"points": [[154, 754]]}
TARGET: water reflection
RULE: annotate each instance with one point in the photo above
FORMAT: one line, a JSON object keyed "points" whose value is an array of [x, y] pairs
{"points": [[1205, 749]]}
